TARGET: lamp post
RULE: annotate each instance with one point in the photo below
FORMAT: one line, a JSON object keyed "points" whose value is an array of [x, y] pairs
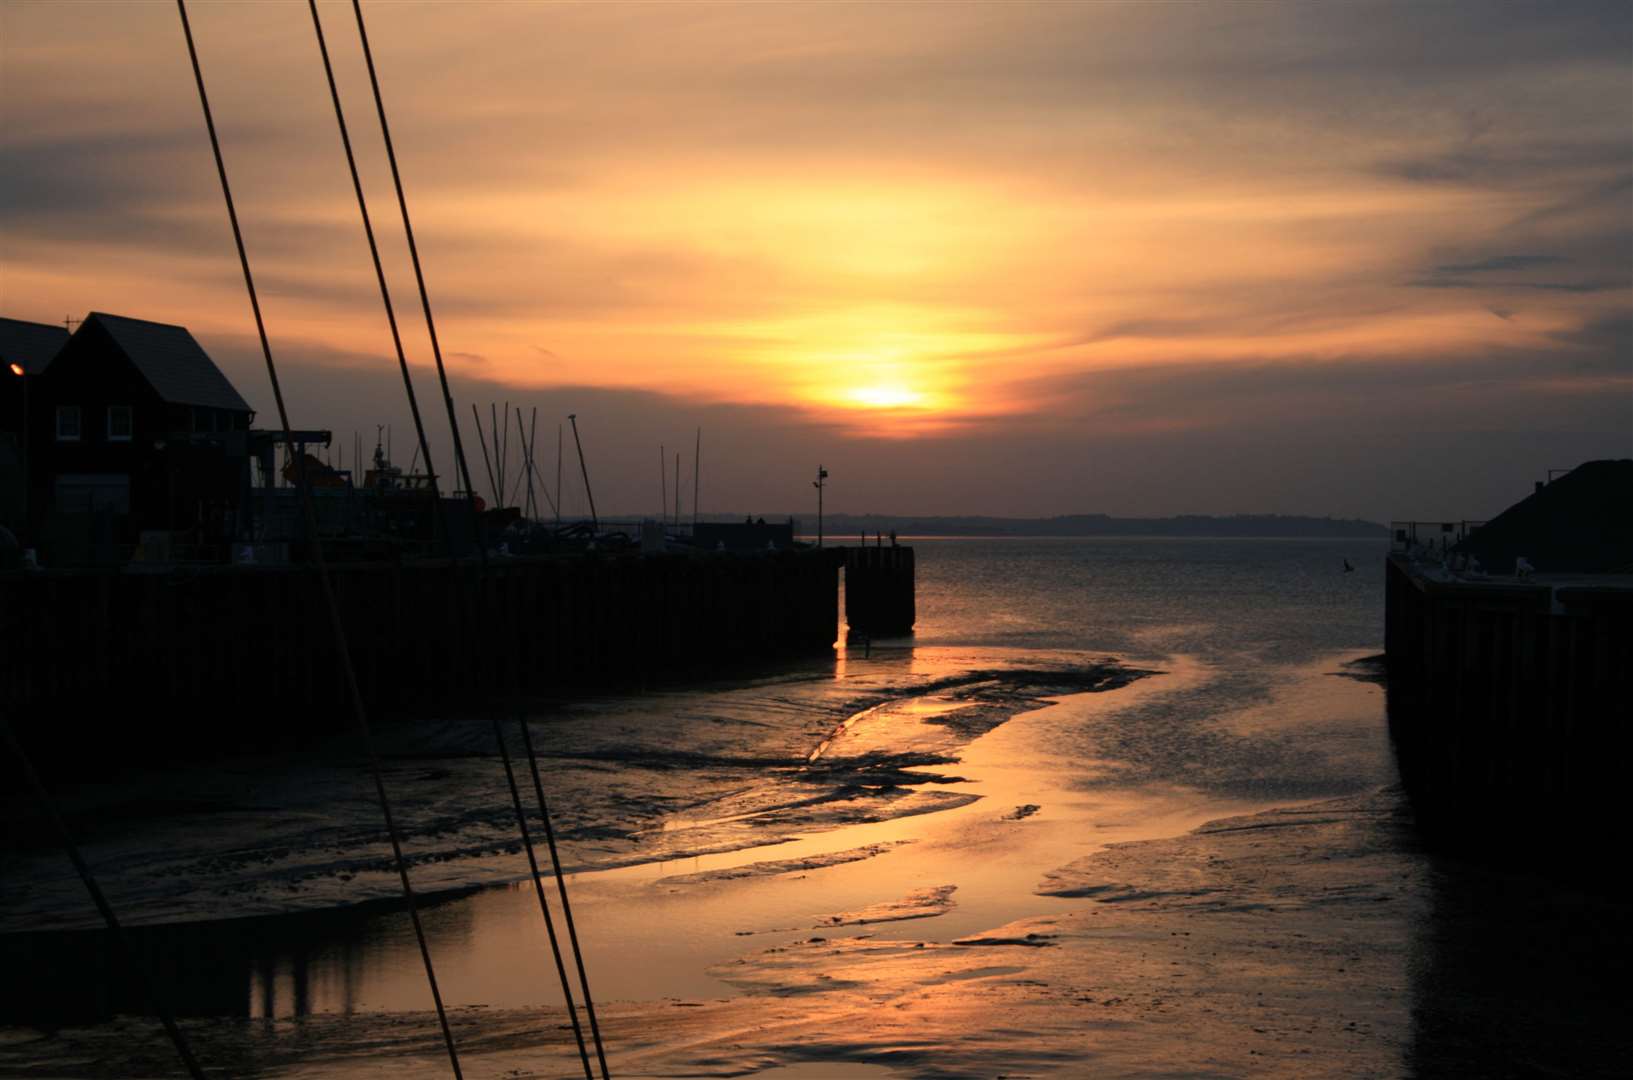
{"points": [[819, 483], [21, 372]]}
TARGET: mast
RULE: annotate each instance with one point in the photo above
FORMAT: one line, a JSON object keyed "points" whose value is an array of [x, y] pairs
{"points": [[482, 441], [498, 462], [595, 523], [527, 455], [504, 451]]}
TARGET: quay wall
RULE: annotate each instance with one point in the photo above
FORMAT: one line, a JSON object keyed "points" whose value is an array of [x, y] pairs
{"points": [[222, 653], [880, 590], [1510, 708]]}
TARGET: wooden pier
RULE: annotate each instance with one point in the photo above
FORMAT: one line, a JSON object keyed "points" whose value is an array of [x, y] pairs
{"points": [[880, 590], [227, 651], [1509, 703]]}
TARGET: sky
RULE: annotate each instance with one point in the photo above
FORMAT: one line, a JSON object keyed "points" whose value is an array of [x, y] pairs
{"points": [[1351, 259]]}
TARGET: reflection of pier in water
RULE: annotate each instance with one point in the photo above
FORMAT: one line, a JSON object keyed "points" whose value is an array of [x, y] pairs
{"points": [[277, 966]]}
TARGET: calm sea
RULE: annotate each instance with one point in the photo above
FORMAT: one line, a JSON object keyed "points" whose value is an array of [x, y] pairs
{"points": [[1277, 601]]}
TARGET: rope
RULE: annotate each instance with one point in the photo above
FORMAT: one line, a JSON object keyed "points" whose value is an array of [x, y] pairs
{"points": [[538, 888], [336, 625], [453, 423], [380, 275], [561, 886], [149, 987], [419, 275]]}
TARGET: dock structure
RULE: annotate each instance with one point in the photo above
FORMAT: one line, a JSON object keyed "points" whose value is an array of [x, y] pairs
{"points": [[880, 590], [225, 655], [1511, 675]]}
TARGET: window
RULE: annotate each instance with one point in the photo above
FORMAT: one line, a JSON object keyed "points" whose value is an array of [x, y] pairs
{"points": [[67, 423], [119, 423]]}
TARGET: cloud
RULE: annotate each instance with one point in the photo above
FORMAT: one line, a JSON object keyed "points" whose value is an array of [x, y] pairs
{"points": [[1152, 257], [1498, 264], [1544, 286], [1611, 337]]}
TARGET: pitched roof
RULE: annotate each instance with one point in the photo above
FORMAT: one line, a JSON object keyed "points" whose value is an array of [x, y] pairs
{"points": [[31, 344], [171, 361], [1580, 523]]}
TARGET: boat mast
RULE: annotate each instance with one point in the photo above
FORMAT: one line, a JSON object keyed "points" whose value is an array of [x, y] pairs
{"points": [[595, 522]]}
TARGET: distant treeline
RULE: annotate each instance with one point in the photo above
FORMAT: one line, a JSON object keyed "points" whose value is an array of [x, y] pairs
{"points": [[841, 525]]}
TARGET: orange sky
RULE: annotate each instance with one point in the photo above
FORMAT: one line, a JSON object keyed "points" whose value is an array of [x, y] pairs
{"points": [[959, 227]]}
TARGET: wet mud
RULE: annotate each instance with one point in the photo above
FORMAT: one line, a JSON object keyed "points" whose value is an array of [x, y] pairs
{"points": [[925, 872]]}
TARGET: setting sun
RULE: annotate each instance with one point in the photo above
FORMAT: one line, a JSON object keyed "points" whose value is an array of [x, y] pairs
{"points": [[887, 396]]}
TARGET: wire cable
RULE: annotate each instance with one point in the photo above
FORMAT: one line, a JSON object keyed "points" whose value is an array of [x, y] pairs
{"points": [[561, 887], [408, 386], [149, 987], [353, 692], [380, 275], [419, 274], [448, 400], [538, 888]]}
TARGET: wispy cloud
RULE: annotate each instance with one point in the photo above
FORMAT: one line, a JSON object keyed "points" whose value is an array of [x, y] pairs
{"points": [[1237, 228]]}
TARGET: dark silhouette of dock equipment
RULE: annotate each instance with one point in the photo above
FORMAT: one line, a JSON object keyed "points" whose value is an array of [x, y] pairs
{"points": [[879, 590], [1509, 688]]}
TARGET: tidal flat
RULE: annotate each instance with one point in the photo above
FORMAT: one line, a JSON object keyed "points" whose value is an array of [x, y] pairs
{"points": [[958, 857]]}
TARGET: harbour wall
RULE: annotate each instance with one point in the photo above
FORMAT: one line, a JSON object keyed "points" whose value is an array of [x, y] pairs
{"points": [[880, 590], [219, 656], [1509, 709]]}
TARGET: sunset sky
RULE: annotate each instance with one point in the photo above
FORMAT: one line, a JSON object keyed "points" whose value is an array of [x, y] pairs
{"points": [[1350, 259]]}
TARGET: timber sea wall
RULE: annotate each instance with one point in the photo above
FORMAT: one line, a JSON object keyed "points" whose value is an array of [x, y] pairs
{"points": [[224, 654], [880, 590], [1509, 706]]}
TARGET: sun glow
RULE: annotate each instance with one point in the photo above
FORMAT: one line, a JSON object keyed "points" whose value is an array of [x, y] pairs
{"points": [[886, 396]]}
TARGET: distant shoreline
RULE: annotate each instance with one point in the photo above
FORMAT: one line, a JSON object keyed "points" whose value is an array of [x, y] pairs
{"points": [[1066, 527], [839, 538], [1087, 526]]}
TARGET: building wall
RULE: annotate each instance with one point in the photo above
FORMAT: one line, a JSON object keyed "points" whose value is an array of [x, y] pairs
{"points": [[181, 468]]}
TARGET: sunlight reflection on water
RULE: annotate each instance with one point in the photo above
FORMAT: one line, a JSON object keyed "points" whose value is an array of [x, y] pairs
{"points": [[1245, 717]]}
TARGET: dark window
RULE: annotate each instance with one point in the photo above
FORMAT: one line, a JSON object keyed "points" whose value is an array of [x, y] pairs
{"points": [[119, 423], [67, 423]]}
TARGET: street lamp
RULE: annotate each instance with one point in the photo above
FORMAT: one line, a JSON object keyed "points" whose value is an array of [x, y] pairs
{"points": [[819, 483], [21, 372]]}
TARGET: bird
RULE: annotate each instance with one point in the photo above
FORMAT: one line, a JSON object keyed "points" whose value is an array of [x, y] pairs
{"points": [[1348, 569]]}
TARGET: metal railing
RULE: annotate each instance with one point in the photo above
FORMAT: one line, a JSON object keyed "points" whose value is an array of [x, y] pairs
{"points": [[1437, 537]]}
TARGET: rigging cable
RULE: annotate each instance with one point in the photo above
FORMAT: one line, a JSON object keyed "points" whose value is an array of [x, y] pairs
{"points": [[380, 275], [353, 692], [442, 374], [149, 987], [561, 886], [385, 296], [538, 888], [414, 255], [448, 401]]}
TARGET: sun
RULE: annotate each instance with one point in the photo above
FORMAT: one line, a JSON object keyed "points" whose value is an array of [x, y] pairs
{"points": [[886, 396]]}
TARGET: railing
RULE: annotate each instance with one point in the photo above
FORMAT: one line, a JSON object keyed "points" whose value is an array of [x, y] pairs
{"points": [[1434, 537]]}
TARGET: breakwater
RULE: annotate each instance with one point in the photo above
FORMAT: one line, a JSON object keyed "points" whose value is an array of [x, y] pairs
{"points": [[1508, 704], [223, 653], [880, 590]]}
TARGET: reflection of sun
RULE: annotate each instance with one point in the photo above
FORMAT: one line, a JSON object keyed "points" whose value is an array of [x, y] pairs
{"points": [[886, 396]]}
